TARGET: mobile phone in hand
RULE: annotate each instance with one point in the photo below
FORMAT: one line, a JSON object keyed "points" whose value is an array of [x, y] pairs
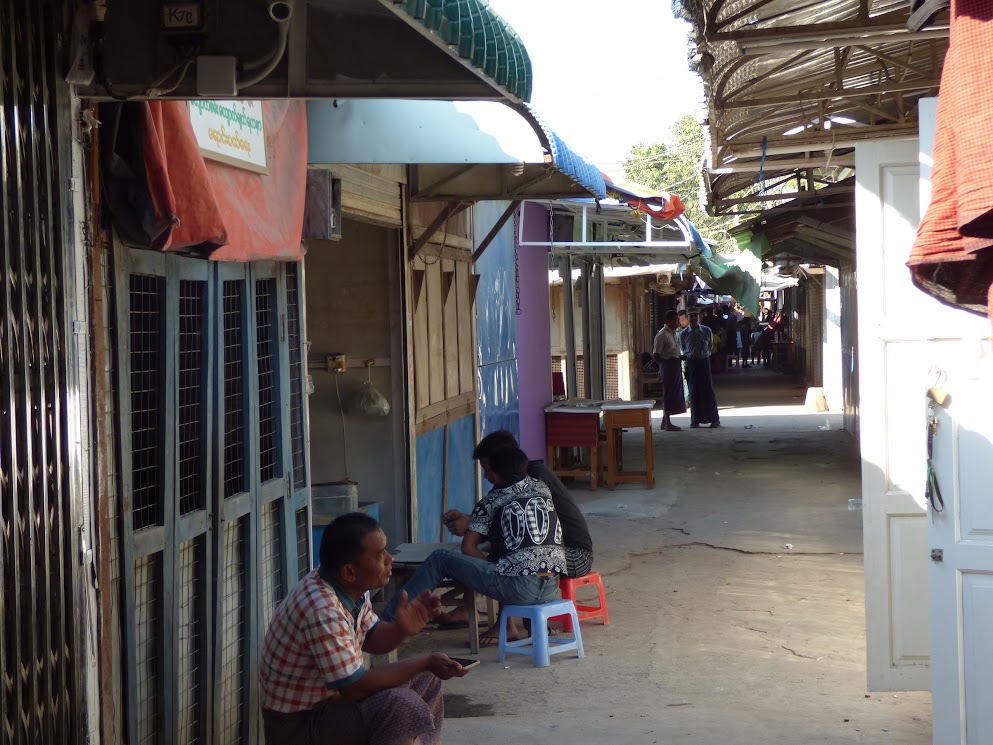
{"points": [[465, 662]]}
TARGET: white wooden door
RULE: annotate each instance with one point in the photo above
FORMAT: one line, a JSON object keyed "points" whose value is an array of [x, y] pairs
{"points": [[961, 575], [892, 315]]}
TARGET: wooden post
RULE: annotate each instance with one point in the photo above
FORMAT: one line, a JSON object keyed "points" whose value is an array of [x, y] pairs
{"points": [[444, 485]]}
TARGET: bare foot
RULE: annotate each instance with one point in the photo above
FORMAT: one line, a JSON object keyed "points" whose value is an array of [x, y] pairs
{"points": [[491, 637], [457, 617], [672, 428]]}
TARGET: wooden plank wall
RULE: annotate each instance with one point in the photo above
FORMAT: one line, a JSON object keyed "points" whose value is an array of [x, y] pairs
{"points": [[372, 192], [444, 347]]}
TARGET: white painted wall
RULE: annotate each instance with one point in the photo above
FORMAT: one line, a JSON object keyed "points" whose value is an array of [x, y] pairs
{"points": [[831, 357]]}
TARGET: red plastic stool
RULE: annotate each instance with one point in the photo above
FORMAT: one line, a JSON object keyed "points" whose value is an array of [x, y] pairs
{"points": [[584, 612]]}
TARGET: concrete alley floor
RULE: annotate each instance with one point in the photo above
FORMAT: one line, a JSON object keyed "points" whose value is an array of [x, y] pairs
{"points": [[720, 633]]}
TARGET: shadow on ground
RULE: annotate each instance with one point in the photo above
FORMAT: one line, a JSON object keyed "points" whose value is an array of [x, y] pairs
{"points": [[736, 598]]}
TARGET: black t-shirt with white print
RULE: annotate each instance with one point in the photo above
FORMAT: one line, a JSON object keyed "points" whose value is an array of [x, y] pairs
{"points": [[523, 516]]}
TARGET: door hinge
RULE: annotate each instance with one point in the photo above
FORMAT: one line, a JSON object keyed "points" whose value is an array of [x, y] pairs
{"points": [[937, 554]]}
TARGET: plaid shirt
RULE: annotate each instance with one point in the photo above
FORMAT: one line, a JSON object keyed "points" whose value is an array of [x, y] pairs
{"points": [[313, 646], [696, 342]]}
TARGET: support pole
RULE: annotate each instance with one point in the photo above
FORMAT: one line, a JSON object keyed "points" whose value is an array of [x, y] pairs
{"points": [[584, 307], [569, 318], [596, 366]]}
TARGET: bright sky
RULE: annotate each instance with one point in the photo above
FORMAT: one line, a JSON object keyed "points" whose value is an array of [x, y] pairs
{"points": [[607, 75]]}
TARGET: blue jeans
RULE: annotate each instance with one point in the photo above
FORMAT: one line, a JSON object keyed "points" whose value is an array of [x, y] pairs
{"points": [[478, 575]]}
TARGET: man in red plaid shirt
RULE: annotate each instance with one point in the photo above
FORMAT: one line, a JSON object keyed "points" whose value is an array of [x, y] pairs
{"points": [[314, 686]]}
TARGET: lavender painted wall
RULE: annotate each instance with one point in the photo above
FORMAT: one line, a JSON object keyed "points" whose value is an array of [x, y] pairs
{"points": [[534, 333]]}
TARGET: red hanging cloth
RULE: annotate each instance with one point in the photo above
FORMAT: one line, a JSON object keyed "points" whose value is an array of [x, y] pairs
{"points": [[952, 258], [230, 213]]}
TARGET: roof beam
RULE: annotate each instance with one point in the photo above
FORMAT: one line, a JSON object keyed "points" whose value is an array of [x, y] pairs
{"points": [[772, 166], [788, 44], [789, 64], [790, 195], [895, 21], [431, 190], [821, 141], [762, 213], [829, 248], [748, 10], [495, 230], [791, 84], [829, 94], [450, 210], [905, 64], [877, 110]]}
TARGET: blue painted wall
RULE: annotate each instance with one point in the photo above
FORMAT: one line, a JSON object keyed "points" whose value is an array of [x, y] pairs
{"points": [[496, 323], [430, 474]]}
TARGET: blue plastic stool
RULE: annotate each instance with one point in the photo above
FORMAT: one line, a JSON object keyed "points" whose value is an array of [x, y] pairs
{"points": [[538, 645]]}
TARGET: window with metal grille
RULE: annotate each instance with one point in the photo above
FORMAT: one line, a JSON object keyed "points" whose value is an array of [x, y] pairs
{"points": [[303, 544], [234, 394], [233, 634], [613, 380], [294, 343], [209, 546], [612, 388], [190, 655], [147, 367], [149, 652], [192, 432], [265, 318], [271, 549]]}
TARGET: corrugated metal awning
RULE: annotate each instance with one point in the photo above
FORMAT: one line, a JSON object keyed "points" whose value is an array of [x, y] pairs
{"points": [[461, 151], [473, 30]]}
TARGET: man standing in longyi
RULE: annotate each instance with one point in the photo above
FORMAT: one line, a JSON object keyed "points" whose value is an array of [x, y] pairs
{"points": [[667, 353]]}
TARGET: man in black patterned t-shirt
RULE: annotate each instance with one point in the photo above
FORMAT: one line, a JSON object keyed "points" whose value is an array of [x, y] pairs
{"points": [[575, 533], [520, 510]]}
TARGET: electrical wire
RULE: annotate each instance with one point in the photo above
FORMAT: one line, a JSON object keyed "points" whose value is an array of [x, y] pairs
{"points": [[344, 436], [277, 56], [154, 90]]}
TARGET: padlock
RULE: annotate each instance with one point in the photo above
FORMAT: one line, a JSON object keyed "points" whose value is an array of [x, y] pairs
{"points": [[938, 395]]}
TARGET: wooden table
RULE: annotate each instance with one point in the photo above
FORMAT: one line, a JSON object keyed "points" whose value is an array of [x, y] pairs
{"points": [[574, 423], [407, 557], [620, 415]]}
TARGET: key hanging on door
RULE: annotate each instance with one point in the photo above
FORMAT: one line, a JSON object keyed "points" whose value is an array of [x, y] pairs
{"points": [[932, 492]]}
